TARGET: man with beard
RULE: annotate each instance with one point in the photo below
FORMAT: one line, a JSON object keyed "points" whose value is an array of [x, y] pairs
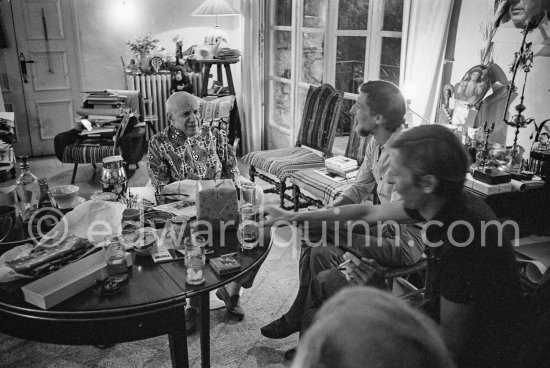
{"points": [[378, 111]]}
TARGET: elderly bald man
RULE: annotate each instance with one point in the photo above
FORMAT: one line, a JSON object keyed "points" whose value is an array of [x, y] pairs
{"points": [[188, 150]]}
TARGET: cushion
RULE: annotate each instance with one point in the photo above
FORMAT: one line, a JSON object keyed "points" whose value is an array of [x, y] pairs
{"points": [[285, 161], [318, 185], [217, 108], [222, 124]]}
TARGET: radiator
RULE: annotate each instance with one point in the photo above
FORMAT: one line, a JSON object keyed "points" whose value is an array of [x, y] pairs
{"points": [[156, 87]]}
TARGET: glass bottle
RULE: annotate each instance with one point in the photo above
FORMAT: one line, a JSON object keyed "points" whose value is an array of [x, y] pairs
{"points": [[28, 190], [44, 201], [195, 259]]}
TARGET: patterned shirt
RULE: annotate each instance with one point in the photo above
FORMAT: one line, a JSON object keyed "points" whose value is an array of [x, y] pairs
{"points": [[173, 156]]}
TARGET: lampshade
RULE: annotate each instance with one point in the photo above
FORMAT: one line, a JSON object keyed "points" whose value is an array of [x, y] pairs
{"points": [[214, 7]]}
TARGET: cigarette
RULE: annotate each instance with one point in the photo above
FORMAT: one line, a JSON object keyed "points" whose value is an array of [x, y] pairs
{"points": [[341, 266], [228, 255]]}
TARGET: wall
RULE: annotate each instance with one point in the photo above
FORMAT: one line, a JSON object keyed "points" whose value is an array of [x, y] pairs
{"points": [[507, 41], [105, 25]]}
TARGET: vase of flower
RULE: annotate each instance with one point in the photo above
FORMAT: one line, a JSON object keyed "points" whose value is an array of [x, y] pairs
{"points": [[143, 61], [143, 47]]}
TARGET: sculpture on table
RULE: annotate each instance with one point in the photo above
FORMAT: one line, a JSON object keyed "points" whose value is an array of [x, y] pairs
{"points": [[523, 59]]}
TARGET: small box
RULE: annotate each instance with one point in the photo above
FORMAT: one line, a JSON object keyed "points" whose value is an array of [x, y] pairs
{"points": [[225, 265], [217, 203], [485, 188], [492, 176], [68, 281]]}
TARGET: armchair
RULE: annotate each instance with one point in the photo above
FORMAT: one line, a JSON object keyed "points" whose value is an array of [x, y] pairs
{"points": [[318, 128], [126, 140]]}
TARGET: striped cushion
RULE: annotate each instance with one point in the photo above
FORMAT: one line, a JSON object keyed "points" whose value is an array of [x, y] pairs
{"points": [[285, 161], [318, 186], [216, 108], [86, 154]]}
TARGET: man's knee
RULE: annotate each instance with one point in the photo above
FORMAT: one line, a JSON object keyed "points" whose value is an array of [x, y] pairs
{"points": [[328, 283], [324, 258]]}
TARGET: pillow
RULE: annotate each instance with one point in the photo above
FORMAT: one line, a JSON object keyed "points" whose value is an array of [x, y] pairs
{"points": [[216, 109], [221, 124]]}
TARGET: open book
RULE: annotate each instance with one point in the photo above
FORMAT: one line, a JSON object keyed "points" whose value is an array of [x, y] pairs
{"points": [[534, 254]]}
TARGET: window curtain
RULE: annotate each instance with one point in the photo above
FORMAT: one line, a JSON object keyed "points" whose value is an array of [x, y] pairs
{"points": [[426, 41], [251, 99]]}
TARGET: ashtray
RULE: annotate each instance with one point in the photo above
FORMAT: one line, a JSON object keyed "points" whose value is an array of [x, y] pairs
{"points": [[156, 219], [144, 241]]}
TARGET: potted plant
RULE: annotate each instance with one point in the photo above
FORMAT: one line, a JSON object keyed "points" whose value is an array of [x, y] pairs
{"points": [[143, 47]]}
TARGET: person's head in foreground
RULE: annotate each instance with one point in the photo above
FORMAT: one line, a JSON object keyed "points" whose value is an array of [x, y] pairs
{"points": [[182, 109], [380, 104], [428, 161], [366, 327]]}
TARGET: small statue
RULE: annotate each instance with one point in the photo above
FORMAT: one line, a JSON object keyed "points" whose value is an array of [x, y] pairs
{"points": [[181, 82]]}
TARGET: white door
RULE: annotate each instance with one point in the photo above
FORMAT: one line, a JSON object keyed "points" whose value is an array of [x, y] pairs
{"points": [[44, 44]]}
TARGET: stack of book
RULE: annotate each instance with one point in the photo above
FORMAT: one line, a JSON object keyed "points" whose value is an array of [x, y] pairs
{"points": [[102, 106], [7, 159], [342, 166], [228, 53]]}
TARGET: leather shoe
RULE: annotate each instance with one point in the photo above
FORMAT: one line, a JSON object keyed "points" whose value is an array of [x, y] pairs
{"points": [[278, 329], [191, 320], [231, 303], [290, 354]]}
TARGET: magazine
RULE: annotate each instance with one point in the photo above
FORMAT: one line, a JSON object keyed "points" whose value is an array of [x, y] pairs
{"points": [[179, 208], [332, 176]]}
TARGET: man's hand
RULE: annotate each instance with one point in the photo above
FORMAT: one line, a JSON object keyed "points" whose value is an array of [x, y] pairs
{"points": [[362, 271], [273, 214], [339, 201]]}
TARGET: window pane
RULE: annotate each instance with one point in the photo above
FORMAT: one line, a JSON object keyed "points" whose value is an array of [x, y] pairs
{"points": [[315, 12], [281, 62], [345, 125], [283, 13], [312, 58], [393, 15], [350, 63], [353, 14], [302, 94], [391, 58], [280, 110]]}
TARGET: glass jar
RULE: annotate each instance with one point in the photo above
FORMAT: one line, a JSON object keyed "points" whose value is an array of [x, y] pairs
{"points": [[115, 256], [195, 259]]}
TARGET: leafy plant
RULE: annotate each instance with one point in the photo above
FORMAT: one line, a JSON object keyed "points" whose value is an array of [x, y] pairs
{"points": [[143, 44]]}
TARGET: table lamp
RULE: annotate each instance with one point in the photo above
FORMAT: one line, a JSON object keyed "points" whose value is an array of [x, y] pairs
{"points": [[214, 8]]}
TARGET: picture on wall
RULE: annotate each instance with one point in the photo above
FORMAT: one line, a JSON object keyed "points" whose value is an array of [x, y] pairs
{"points": [[473, 86], [516, 13]]}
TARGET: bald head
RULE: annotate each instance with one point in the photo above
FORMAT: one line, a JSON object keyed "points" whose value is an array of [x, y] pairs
{"points": [[182, 110], [180, 102]]}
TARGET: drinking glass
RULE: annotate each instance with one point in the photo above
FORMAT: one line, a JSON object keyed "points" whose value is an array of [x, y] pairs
{"points": [[115, 256], [195, 259]]}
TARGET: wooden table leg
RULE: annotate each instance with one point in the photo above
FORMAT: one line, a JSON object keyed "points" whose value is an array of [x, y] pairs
{"points": [[204, 327], [177, 340], [178, 349]]}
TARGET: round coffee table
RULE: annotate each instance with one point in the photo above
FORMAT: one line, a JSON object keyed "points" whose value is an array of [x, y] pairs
{"points": [[151, 303]]}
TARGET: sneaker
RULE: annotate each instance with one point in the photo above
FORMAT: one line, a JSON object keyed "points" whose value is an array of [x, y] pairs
{"points": [[191, 320], [231, 303], [278, 329]]}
